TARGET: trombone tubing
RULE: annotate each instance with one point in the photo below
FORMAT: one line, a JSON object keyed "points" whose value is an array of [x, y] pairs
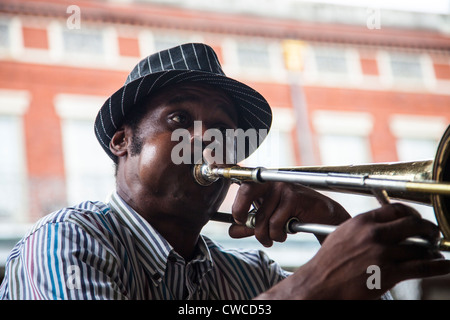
{"points": [[293, 226], [205, 175], [330, 180]]}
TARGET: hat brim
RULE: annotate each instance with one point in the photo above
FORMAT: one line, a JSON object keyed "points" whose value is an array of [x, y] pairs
{"points": [[253, 110]]}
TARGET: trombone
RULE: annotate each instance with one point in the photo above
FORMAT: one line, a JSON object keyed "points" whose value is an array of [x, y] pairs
{"points": [[426, 182]]}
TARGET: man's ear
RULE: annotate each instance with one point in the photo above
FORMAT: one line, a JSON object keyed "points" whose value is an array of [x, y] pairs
{"points": [[119, 143]]}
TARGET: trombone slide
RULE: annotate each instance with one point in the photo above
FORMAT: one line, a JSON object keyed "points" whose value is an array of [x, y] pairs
{"points": [[293, 226], [318, 179]]}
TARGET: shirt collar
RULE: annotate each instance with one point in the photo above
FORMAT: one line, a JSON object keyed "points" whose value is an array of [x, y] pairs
{"points": [[153, 249]]}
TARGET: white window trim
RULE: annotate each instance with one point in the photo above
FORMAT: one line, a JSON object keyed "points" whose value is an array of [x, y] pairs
{"points": [[384, 68], [146, 40], [283, 119], [341, 122], [420, 127], [16, 103], [15, 37], [428, 71], [229, 50], [80, 107]]}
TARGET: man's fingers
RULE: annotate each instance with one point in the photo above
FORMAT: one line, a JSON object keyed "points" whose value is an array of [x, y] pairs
{"points": [[424, 268], [263, 215], [277, 223], [246, 195], [392, 212], [403, 252], [409, 226], [240, 231]]}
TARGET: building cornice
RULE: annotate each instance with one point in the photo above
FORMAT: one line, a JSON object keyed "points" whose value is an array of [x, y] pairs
{"points": [[172, 17]]}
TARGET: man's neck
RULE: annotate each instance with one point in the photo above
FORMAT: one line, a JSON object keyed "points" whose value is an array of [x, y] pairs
{"points": [[182, 235], [183, 240]]}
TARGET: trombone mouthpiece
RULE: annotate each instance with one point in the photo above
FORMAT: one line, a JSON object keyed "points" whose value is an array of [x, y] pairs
{"points": [[203, 174]]}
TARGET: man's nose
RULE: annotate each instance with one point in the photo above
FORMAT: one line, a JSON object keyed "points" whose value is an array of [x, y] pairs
{"points": [[198, 144], [198, 131]]}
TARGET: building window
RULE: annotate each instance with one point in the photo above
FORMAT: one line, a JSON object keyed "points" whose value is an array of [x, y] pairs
{"points": [[412, 149], [253, 55], [406, 70], [90, 174], [406, 66], [4, 34], [11, 38], [12, 185], [83, 41], [331, 60], [343, 149], [343, 139], [89, 46], [417, 137], [13, 178], [333, 65], [254, 59]]}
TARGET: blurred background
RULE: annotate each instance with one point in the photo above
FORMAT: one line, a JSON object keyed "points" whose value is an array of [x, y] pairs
{"points": [[349, 82]]}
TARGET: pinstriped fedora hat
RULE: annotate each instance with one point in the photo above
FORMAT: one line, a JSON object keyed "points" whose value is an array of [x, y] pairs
{"points": [[190, 62]]}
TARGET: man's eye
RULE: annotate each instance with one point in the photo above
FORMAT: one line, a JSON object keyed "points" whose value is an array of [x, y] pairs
{"points": [[180, 118]]}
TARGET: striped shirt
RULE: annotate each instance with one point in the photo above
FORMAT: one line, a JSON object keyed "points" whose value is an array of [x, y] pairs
{"points": [[108, 251]]}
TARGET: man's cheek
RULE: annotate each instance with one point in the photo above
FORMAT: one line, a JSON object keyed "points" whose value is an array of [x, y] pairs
{"points": [[148, 154]]}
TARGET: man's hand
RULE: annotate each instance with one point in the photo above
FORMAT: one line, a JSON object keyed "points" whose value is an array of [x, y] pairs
{"points": [[339, 269], [277, 203]]}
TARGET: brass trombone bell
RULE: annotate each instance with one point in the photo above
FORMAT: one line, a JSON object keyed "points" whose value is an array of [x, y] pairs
{"points": [[426, 182]]}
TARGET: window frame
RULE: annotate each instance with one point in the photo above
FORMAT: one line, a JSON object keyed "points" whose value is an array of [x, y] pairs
{"points": [[15, 103], [353, 76], [58, 53], [389, 79], [74, 107]]}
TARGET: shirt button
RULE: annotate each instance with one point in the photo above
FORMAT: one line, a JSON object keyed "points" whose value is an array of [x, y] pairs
{"points": [[156, 276]]}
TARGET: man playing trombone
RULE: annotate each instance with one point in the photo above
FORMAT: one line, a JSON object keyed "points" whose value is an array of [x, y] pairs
{"points": [[145, 243]]}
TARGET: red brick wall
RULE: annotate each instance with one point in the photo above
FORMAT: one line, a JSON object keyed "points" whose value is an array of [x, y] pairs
{"points": [[442, 71], [35, 38], [369, 67], [128, 47]]}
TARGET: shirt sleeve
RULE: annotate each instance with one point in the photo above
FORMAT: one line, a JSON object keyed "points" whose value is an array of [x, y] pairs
{"points": [[62, 260]]}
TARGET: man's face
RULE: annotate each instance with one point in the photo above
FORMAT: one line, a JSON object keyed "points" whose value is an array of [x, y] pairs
{"points": [[152, 173]]}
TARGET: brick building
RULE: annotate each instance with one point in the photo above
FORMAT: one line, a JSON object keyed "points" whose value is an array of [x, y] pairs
{"points": [[367, 85]]}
